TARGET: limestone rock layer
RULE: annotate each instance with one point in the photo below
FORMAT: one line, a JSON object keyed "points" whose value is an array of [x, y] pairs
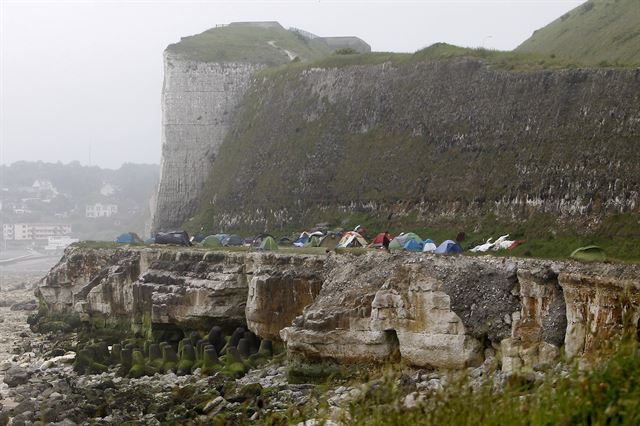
{"points": [[432, 311]]}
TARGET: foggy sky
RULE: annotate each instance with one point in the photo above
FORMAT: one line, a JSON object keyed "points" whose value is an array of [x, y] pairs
{"points": [[81, 80]]}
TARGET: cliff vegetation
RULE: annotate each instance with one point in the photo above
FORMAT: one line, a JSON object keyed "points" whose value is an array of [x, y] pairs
{"points": [[248, 44], [598, 32], [436, 146]]}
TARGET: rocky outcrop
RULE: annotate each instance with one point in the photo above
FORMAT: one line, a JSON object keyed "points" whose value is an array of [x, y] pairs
{"points": [[163, 289], [435, 310], [444, 312], [280, 288], [599, 309], [429, 310]]}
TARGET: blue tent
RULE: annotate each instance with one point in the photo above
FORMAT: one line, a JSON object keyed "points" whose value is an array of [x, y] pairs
{"points": [[449, 247], [300, 242], [128, 238], [413, 245]]}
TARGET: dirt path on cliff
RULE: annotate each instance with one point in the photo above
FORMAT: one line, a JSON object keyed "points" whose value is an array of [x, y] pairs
{"points": [[289, 53]]}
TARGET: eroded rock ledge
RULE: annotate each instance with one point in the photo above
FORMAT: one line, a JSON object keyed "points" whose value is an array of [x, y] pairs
{"points": [[443, 312]]}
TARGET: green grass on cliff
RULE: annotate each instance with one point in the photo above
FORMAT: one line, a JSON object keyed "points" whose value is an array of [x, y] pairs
{"points": [[597, 32], [607, 395], [249, 44], [521, 61]]}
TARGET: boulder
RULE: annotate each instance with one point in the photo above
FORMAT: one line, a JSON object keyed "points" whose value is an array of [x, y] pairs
{"points": [[16, 376]]}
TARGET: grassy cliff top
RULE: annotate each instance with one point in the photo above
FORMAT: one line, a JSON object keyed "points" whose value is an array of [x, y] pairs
{"points": [[248, 43], [597, 32], [503, 60]]}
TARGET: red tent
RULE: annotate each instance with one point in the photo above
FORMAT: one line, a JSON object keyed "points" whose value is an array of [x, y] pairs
{"points": [[377, 241]]}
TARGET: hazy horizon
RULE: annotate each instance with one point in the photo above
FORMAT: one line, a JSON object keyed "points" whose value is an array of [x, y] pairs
{"points": [[81, 81]]}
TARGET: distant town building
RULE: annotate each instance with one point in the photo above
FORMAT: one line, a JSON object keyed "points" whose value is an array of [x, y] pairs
{"points": [[101, 210], [21, 208], [44, 190], [59, 243], [33, 231], [43, 185]]}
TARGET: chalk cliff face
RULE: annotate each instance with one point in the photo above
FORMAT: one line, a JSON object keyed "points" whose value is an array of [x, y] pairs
{"points": [[435, 311], [433, 138], [198, 101], [205, 78]]}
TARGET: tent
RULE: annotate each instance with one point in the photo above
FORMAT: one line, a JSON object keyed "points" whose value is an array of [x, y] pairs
{"points": [[232, 240], [449, 247], [258, 239], [401, 240], [413, 245], [174, 237], [268, 244], [211, 242], [429, 247], [379, 239], [589, 254], [314, 241], [515, 244], [129, 238], [302, 240], [285, 241], [201, 236], [352, 239], [483, 247]]}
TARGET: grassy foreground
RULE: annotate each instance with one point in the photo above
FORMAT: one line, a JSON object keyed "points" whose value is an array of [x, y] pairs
{"points": [[607, 394]]}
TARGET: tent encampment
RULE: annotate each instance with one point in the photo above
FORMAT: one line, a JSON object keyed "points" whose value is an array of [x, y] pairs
{"points": [[128, 238], [211, 242], [269, 244], [352, 239], [174, 237], [449, 247], [589, 254]]}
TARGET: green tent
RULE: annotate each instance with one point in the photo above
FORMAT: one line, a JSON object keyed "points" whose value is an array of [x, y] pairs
{"points": [[399, 242], [313, 242], [211, 242], [589, 254], [395, 245], [269, 244]]}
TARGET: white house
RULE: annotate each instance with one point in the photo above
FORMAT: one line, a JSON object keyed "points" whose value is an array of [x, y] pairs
{"points": [[101, 210]]}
